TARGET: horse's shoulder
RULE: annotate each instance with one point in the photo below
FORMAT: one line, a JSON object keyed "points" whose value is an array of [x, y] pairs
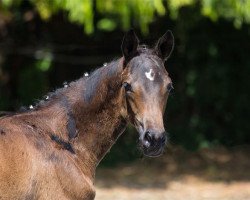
{"points": [[75, 183]]}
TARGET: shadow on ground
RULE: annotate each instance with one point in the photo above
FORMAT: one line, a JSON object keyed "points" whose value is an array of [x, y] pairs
{"points": [[211, 165]]}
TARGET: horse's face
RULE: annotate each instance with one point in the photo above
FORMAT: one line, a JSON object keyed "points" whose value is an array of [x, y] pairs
{"points": [[147, 86]]}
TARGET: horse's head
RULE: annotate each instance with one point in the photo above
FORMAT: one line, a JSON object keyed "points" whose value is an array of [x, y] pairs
{"points": [[147, 86]]}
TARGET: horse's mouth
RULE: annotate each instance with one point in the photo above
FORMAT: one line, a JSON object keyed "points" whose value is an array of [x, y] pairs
{"points": [[153, 152]]}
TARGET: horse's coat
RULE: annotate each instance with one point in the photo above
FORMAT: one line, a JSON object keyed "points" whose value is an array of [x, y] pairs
{"points": [[51, 151]]}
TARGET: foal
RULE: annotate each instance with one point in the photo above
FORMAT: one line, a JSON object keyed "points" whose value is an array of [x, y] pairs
{"points": [[51, 151]]}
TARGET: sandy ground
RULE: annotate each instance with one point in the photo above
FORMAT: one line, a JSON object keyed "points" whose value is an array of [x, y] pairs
{"points": [[217, 174]]}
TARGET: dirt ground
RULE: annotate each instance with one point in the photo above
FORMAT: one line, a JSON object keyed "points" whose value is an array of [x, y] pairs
{"points": [[217, 174]]}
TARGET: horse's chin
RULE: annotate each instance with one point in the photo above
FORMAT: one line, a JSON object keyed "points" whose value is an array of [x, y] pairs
{"points": [[152, 153]]}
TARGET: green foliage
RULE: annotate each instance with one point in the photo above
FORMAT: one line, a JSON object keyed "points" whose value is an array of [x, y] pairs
{"points": [[44, 61], [175, 5], [9, 3], [135, 12], [235, 10], [79, 11], [141, 11], [210, 103], [106, 24]]}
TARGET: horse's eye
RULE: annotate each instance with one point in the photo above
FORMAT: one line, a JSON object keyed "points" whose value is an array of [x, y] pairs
{"points": [[170, 88], [127, 86]]}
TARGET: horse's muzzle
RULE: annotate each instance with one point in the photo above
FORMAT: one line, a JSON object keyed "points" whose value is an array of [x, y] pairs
{"points": [[153, 145]]}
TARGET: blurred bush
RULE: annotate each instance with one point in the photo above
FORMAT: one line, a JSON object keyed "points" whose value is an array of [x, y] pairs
{"points": [[42, 44]]}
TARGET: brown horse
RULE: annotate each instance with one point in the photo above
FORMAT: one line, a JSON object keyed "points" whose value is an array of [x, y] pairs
{"points": [[52, 150]]}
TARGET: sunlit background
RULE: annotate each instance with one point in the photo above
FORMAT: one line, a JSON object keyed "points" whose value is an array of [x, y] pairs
{"points": [[44, 43]]}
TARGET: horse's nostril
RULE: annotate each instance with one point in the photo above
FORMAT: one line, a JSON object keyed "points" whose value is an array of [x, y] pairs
{"points": [[148, 136], [148, 139], [163, 140]]}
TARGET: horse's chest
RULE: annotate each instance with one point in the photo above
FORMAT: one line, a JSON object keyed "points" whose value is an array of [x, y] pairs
{"points": [[75, 183], [66, 182]]}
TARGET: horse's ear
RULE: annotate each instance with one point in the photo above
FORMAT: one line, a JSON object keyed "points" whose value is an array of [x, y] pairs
{"points": [[165, 45], [129, 45]]}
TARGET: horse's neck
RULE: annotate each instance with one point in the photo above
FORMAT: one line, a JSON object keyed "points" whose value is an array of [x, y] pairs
{"points": [[97, 115]]}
